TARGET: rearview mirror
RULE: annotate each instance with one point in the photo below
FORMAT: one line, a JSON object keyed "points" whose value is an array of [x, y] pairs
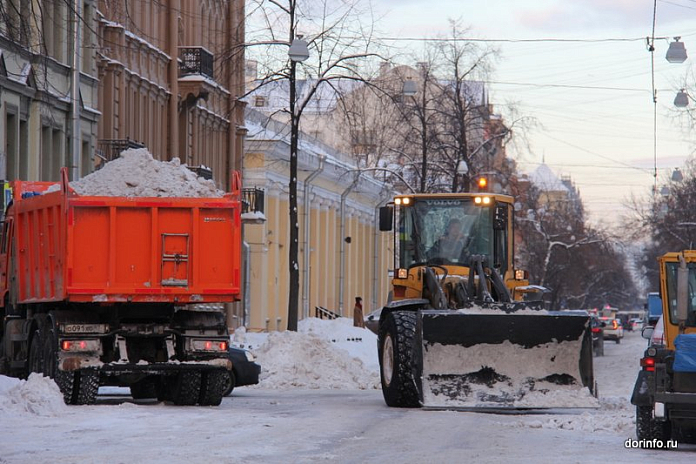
{"points": [[647, 332], [386, 218]]}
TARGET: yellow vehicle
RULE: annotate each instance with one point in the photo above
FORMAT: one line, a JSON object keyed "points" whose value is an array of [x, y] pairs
{"points": [[461, 329], [665, 390]]}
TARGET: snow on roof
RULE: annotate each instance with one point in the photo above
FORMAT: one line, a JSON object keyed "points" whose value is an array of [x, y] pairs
{"points": [[323, 100], [544, 178]]}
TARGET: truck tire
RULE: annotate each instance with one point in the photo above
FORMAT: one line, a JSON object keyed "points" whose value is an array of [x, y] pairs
{"points": [[35, 354], [64, 380], [186, 388], [618, 340], [212, 387], [87, 386], [229, 383], [648, 428], [396, 352]]}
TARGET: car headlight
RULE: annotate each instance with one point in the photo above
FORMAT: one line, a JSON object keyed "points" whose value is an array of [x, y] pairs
{"points": [[250, 357]]}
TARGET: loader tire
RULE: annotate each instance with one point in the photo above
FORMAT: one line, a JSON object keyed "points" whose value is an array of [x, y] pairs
{"points": [[648, 428], [213, 385], [396, 359], [187, 388]]}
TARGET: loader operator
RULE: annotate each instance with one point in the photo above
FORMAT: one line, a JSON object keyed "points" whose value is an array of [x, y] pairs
{"points": [[451, 246]]}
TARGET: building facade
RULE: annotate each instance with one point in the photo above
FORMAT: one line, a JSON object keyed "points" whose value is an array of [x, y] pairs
{"points": [[171, 74], [48, 89], [342, 253]]}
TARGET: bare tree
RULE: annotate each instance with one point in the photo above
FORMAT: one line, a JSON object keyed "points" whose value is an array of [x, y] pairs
{"points": [[338, 41], [580, 265]]}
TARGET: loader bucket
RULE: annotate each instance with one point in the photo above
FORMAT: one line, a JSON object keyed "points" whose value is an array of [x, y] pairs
{"points": [[486, 358]]}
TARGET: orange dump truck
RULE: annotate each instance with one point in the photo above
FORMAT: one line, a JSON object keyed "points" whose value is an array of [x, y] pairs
{"points": [[117, 291]]}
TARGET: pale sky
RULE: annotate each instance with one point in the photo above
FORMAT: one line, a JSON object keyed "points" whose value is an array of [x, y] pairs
{"points": [[601, 136]]}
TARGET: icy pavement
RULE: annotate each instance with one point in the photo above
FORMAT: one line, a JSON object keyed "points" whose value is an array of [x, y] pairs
{"points": [[261, 425]]}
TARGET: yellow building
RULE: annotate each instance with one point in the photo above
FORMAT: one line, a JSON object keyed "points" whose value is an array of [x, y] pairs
{"points": [[342, 253]]}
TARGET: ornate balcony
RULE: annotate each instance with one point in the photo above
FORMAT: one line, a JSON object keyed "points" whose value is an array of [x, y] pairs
{"points": [[195, 60]]}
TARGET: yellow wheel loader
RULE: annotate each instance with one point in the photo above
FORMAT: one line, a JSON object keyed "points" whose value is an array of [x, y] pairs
{"points": [[463, 329]]}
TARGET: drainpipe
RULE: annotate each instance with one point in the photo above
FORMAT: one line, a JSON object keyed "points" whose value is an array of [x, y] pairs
{"points": [[246, 251], [375, 257], [342, 254], [75, 134], [305, 271]]}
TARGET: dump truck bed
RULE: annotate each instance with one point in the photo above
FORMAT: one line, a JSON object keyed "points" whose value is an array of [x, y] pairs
{"points": [[121, 249]]}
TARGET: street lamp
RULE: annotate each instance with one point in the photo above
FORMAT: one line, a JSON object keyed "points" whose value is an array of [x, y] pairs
{"points": [[677, 175], [676, 53], [297, 52], [682, 99]]}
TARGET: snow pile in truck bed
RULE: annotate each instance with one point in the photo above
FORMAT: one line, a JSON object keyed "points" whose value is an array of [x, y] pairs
{"points": [[37, 395], [309, 360], [137, 174]]}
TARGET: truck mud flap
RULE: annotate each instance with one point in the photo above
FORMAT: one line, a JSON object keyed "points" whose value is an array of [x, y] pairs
{"points": [[490, 359]]}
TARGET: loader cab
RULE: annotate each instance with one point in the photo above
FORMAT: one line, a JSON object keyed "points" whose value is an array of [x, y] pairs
{"points": [[447, 230]]}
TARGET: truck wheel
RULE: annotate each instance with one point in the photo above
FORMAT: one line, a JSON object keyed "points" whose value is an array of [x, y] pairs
{"points": [[618, 340], [64, 380], [36, 354], [87, 387], [396, 339], [229, 383], [643, 422], [648, 428], [187, 388], [212, 387]]}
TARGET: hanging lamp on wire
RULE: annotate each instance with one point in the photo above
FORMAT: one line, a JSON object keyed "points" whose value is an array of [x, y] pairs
{"points": [[676, 53]]}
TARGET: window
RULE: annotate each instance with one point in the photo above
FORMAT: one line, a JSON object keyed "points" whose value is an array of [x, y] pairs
{"points": [[259, 101], [12, 147]]}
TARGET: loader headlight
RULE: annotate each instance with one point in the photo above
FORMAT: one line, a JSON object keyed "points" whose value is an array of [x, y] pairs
{"points": [[482, 200], [397, 201], [402, 273]]}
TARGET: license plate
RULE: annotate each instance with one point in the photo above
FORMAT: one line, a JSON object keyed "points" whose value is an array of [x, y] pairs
{"points": [[84, 328]]}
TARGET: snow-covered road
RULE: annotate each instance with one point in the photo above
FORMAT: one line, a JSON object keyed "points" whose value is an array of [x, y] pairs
{"points": [[347, 426]]}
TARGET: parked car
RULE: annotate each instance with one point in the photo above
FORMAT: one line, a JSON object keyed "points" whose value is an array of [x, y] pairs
{"points": [[636, 323], [613, 330], [597, 336], [244, 370], [372, 320]]}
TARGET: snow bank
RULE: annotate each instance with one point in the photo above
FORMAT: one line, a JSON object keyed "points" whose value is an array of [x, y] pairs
{"points": [[291, 359], [323, 354], [37, 395], [358, 342], [137, 174]]}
